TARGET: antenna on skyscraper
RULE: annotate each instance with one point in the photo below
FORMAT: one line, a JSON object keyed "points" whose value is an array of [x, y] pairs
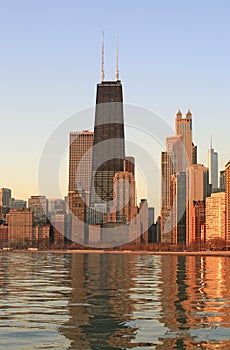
{"points": [[117, 68], [211, 141], [102, 58]]}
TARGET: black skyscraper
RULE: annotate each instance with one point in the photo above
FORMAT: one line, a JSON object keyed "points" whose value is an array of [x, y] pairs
{"points": [[109, 148]]}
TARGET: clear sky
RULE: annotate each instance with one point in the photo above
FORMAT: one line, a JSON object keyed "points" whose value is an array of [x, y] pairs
{"points": [[172, 54]]}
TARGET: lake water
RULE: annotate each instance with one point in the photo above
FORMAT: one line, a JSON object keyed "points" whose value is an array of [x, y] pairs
{"points": [[113, 301]]}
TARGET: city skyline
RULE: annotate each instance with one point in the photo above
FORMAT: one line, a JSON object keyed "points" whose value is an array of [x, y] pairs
{"points": [[155, 70]]}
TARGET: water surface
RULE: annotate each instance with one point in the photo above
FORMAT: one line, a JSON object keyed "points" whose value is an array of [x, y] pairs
{"points": [[113, 301]]}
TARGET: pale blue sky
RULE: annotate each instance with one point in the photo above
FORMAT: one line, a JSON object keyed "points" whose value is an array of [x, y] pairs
{"points": [[172, 54]]}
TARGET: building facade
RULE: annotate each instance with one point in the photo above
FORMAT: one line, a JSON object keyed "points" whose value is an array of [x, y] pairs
{"points": [[215, 217], [227, 201], [213, 167], [196, 192], [20, 228], [108, 145]]}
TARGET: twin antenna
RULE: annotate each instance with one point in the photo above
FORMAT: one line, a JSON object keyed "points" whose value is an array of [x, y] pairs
{"points": [[103, 60]]}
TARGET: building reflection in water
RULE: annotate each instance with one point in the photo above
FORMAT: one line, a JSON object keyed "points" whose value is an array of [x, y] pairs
{"points": [[123, 301], [114, 301], [100, 304], [195, 302]]}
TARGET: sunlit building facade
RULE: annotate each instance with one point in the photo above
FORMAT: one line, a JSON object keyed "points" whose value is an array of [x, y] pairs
{"points": [[215, 217]]}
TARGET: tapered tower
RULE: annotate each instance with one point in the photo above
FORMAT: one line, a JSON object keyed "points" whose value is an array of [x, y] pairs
{"points": [[108, 145]]}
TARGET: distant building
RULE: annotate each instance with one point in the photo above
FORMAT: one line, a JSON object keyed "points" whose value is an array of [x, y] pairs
{"points": [[20, 227], [17, 203], [151, 225], [5, 201], [5, 197], [178, 189], [227, 201], [167, 170], [56, 206], [222, 181], [59, 229], [194, 154], [124, 208], [129, 165], [196, 192], [80, 163], [151, 214], [213, 167], [143, 212], [183, 127], [39, 206], [215, 217], [3, 235]]}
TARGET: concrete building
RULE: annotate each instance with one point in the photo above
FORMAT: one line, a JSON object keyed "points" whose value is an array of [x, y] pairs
{"points": [[215, 217], [20, 225], [227, 201], [183, 127], [167, 170], [124, 206], [196, 192], [178, 189]]}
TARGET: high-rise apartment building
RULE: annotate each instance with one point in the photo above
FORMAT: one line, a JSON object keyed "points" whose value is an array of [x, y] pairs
{"points": [[171, 163], [20, 225], [80, 167], [178, 192], [196, 192], [124, 209], [80, 161], [167, 170], [227, 201], [213, 167], [215, 217]]}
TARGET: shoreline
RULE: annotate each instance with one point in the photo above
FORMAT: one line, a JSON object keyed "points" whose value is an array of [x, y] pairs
{"points": [[138, 252]]}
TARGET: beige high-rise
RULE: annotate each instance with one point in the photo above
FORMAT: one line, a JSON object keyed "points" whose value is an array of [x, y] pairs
{"points": [[227, 190], [183, 127], [196, 180], [215, 217]]}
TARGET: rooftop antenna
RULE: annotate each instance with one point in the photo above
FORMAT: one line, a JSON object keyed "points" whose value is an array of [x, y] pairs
{"points": [[211, 141], [102, 58], [117, 69]]}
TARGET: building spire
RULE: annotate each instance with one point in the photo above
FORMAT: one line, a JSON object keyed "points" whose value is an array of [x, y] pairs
{"points": [[117, 68], [211, 142], [102, 58]]}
